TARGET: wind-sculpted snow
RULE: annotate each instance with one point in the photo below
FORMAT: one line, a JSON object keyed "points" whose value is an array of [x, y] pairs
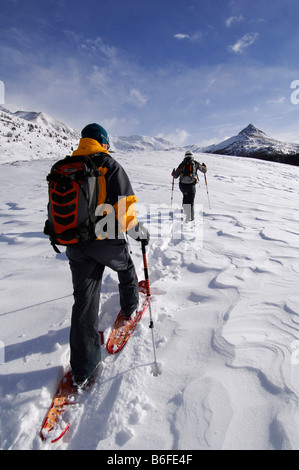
{"points": [[225, 306]]}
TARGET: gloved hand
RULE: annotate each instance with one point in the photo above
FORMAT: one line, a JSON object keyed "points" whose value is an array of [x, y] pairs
{"points": [[140, 233], [173, 172], [205, 167]]}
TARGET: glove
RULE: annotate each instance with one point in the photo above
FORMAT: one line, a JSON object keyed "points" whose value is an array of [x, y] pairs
{"points": [[205, 167], [173, 172], [140, 233]]}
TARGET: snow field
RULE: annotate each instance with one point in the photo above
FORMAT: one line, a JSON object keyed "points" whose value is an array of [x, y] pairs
{"points": [[225, 306]]}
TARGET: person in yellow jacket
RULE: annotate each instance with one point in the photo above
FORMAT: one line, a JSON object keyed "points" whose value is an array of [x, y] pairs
{"points": [[88, 261]]}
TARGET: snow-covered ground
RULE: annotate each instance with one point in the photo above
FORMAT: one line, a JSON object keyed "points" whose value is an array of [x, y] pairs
{"points": [[225, 306]]}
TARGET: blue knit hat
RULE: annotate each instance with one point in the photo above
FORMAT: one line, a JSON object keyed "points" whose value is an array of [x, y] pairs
{"points": [[96, 132]]}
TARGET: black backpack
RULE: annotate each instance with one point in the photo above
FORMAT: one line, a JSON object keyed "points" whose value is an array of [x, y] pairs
{"points": [[188, 175], [73, 187]]}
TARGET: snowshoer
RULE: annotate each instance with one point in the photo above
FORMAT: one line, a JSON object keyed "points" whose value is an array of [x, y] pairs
{"points": [[187, 172], [88, 261]]}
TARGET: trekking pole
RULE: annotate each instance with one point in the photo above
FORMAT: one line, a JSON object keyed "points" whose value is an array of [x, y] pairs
{"points": [[171, 213], [207, 190], [172, 191], [156, 370]]}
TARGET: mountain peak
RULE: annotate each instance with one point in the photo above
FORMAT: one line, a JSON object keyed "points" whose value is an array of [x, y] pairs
{"points": [[251, 130], [252, 142]]}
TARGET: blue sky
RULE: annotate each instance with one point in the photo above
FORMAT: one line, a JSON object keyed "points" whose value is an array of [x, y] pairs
{"points": [[193, 71]]}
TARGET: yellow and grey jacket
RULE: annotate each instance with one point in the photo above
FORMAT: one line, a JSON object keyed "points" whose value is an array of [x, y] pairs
{"points": [[115, 189]]}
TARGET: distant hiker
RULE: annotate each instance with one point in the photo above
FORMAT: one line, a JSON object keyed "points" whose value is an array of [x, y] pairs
{"points": [[88, 259], [187, 171]]}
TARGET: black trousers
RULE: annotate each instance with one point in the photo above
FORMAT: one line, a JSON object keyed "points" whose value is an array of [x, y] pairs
{"points": [[87, 265], [189, 192]]}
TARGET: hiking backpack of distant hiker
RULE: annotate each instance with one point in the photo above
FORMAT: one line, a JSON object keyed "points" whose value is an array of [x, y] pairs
{"points": [[73, 187], [188, 175]]}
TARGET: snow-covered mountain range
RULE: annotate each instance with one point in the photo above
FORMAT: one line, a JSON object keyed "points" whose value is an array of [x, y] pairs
{"points": [[252, 142], [38, 131], [36, 135]]}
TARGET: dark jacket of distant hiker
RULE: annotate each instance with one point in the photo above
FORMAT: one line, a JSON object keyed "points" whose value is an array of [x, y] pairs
{"points": [[187, 172]]}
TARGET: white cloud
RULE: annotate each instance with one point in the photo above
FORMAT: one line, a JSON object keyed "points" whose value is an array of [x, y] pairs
{"points": [[280, 100], [137, 98], [181, 36], [196, 36], [242, 44], [92, 46], [179, 136], [234, 19]]}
